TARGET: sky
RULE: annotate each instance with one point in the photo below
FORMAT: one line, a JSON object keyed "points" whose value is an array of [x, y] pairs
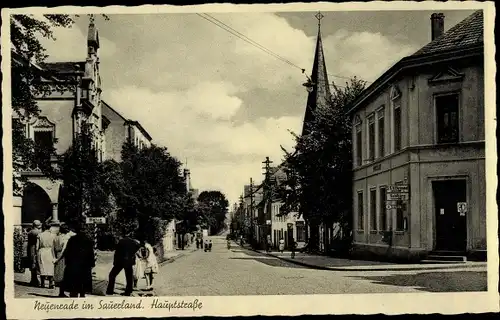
{"points": [[220, 103]]}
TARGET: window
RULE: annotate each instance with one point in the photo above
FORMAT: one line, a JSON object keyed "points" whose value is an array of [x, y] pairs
{"points": [[360, 211], [301, 231], [371, 138], [447, 118], [399, 215], [397, 128], [43, 139], [381, 133], [383, 209], [359, 143], [373, 209]]}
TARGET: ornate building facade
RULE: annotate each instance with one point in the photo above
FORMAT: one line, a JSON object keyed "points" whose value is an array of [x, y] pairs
{"points": [[63, 115]]}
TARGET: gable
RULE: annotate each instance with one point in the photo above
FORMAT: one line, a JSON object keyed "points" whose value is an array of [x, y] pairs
{"points": [[448, 75]]}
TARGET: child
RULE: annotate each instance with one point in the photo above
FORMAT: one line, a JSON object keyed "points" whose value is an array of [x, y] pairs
{"points": [[139, 265], [151, 265]]}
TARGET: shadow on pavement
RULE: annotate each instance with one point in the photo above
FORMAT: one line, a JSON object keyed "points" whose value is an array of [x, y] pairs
{"points": [[270, 261], [455, 281], [22, 283]]}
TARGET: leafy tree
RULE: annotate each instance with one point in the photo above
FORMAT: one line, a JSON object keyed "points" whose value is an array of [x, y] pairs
{"points": [[318, 184], [153, 189], [214, 207]]}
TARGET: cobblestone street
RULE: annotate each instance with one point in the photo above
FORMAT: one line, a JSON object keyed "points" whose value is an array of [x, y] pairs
{"points": [[244, 272]]}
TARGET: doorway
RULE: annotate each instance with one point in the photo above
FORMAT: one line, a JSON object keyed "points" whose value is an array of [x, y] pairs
{"points": [[36, 204], [451, 225], [290, 235]]}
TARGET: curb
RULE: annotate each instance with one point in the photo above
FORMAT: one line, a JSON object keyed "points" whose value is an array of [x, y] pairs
{"points": [[172, 259], [387, 268]]}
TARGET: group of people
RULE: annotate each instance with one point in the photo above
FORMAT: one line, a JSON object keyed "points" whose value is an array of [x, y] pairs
{"points": [[204, 244], [63, 258], [137, 259]]}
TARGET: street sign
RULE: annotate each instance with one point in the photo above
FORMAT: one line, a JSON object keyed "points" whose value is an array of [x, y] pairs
{"points": [[397, 196], [268, 222], [393, 206], [398, 188], [96, 220], [462, 208]]}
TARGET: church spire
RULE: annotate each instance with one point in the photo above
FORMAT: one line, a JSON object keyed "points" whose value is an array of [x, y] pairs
{"points": [[318, 85]]}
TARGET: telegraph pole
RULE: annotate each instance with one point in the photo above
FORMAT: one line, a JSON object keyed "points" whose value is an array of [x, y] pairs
{"points": [[267, 195], [251, 212]]}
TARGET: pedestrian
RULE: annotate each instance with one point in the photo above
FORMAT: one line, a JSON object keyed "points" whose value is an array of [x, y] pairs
{"points": [[140, 263], [151, 265], [209, 245], [269, 243], [60, 242], [79, 260], [32, 253], [293, 246], [206, 245], [282, 245], [45, 256], [124, 259]]}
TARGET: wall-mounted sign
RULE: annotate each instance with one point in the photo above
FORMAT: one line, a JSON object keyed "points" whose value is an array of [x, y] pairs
{"points": [[441, 211], [398, 188], [268, 222], [97, 220], [397, 196], [462, 208]]}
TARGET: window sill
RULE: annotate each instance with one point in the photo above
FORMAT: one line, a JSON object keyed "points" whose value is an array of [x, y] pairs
{"points": [[360, 231], [399, 232], [373, 232]]}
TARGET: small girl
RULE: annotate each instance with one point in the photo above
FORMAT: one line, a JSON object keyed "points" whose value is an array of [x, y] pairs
{"points": [[151, 265], [140, 262]]}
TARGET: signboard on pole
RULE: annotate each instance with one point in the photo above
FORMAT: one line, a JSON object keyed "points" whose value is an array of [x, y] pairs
{"points": [[96, 220], [398, 192], [398, 188], [397, 196]]}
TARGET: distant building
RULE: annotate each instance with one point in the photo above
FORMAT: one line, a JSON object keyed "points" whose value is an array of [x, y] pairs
{"points": [[119, 130], [62, 116], [419, 150]]}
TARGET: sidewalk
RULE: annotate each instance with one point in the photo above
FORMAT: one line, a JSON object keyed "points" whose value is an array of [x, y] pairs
{"points": [[338, 264], [100, 277]]}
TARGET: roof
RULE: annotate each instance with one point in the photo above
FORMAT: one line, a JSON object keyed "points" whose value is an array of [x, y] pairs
{"points": [[319, 96], [457, 43], [112, 110], [467, 32], [64, 67], [140, 127]]}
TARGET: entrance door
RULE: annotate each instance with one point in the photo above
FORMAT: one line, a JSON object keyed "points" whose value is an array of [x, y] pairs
{"points": [[451, 227], [36, 204]]}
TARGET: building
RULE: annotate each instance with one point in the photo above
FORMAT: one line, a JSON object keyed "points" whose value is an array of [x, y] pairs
{"points": [[62, 116], [252, 196], [419, 150], [118, 130]]}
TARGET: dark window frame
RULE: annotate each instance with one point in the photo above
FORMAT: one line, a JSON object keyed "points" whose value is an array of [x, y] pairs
{"points": [[373, 209], [452, 133], [383, 208], [371, 137], [398, 128], [359, 145], [381, 132], [360, 211]]}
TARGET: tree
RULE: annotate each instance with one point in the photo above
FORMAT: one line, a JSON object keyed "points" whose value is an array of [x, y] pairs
{"points": [[318, 184], [213, 208], [154, 192]]}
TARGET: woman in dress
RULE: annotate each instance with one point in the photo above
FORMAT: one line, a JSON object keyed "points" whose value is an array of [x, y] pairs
{"points": [[151, 265], [282, 245], [60, 242], [140, 262], [45, 256]]}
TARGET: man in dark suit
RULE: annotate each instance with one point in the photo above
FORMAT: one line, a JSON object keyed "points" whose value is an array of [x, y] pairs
{"points": [[124, 258]]}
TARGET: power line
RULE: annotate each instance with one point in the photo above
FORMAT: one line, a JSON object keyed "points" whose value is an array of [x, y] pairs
{"points": [[243, 37]]}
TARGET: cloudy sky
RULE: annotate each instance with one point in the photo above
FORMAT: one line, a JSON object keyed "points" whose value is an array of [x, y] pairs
{"points": [[225, 105]]}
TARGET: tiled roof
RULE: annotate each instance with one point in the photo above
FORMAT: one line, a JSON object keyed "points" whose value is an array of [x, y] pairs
{"points": [[467, 32], [64, 67]]}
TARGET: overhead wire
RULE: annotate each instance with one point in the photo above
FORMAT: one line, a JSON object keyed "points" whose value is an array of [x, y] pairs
{"points": [[254, 43]]}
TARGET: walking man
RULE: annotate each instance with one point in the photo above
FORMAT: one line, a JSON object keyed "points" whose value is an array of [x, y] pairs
{"points": [[124, 259]]}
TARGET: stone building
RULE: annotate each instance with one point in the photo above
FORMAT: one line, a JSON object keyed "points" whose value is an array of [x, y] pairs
{"points": [[62, 116], [419, 150], [119, 130]]}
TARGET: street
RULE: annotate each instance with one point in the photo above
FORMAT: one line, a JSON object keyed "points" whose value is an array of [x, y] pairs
{"points": [[241, 271]]}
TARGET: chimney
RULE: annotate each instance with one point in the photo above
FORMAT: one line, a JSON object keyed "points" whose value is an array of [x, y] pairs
{"points": [[437, 25]]}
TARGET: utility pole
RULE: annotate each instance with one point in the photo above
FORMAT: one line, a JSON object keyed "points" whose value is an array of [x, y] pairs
{"points": [[251, 212], [267, 196]]}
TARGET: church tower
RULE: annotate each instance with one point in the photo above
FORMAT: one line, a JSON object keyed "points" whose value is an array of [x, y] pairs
{"points": [[317, 85]]}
